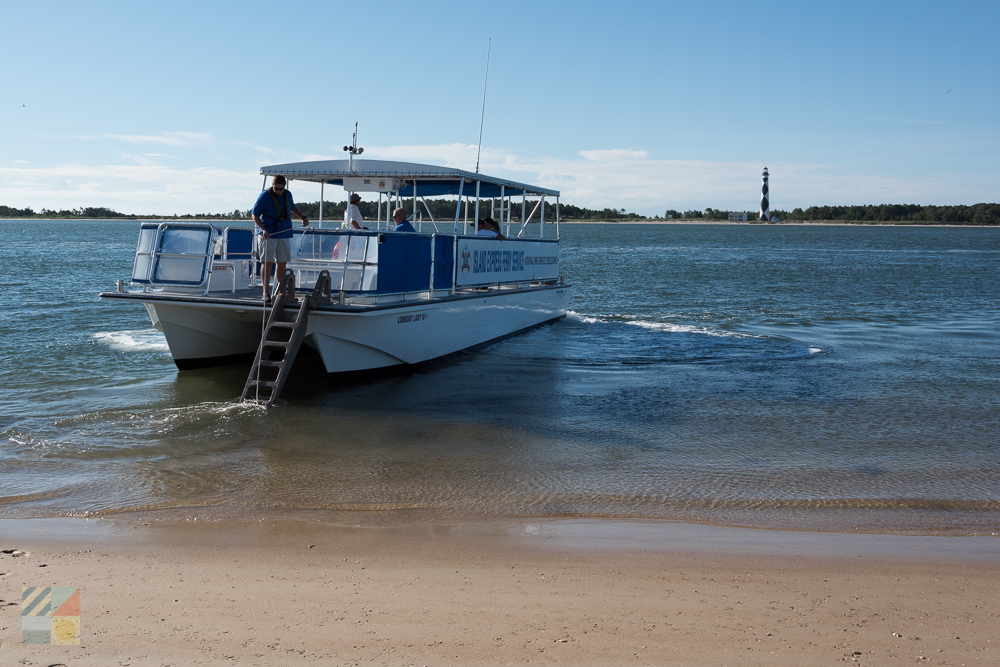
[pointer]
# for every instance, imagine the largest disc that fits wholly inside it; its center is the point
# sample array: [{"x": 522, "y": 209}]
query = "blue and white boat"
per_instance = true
[{"x": 397, "y": 299}]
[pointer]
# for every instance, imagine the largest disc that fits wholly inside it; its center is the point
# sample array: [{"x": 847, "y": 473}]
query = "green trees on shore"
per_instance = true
[
  {"x": 100, "y": 212},
  {"x": 977, "y": 214},
  {"x": 444, "y": 209}
]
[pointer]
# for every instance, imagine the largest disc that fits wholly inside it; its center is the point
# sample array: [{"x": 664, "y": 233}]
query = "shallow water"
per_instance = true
[{"x": 823, "y": 378}]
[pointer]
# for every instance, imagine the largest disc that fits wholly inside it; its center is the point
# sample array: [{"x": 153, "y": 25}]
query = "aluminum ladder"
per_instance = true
[{"x": 282, "y": 339}]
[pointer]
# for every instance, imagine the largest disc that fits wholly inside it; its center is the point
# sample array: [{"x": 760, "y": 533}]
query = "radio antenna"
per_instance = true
[
  {"x": 353, "y": 149},
  {"x": 483, "y": 113}
]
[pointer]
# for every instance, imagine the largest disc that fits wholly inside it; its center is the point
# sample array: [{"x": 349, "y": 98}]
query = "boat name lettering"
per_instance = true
[
  {"x": 495, "y": 261},
  {"x": 415, "y": 317}
]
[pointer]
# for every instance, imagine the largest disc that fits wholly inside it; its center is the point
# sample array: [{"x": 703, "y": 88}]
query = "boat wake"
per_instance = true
[
  {"x": 145, "y": 340},
  {"x": 668, "y": 327},
  {"x": 691, "y": 339}
]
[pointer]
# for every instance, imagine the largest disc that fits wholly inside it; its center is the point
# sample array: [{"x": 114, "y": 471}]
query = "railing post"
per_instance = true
[
  {"x": 420, "y": 223},
  {"x": 433, "y": 248},
  {"x": 454, "y": 264}
]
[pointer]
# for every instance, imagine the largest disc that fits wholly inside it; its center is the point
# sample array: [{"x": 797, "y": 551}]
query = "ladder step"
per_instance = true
[
  {"x": 290, "y": 347},
  {"x": 261, "y": 385}
]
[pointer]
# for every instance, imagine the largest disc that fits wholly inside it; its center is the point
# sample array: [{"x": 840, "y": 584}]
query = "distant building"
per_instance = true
[{"x": 738, "y": 217}]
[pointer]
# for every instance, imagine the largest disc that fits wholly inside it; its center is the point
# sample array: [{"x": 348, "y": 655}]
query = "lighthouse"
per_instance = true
[{"x": 765, "y": 214}]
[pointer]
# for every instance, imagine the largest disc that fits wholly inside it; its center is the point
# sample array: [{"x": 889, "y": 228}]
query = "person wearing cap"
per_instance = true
[
  {"x": 402, "y": 224},
  {"x": 273, "y": 215},
  {"x": 352, "y": 216},
  {"x": 489, "y": 228}
]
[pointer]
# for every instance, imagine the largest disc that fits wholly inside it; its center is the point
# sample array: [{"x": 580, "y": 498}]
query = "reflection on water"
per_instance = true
[{"x": 742, "y": 375}]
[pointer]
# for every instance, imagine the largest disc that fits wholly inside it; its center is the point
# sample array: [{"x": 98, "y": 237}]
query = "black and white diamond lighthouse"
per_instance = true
[{"x": 765, "y": 215}]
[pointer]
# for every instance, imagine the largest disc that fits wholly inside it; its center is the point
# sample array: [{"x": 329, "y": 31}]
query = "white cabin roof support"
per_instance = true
[
  {"x": 541, "y": 220},
  {"x": 478, "y": 183},
  {"x": 458, "y": 206},
  {"x": 524, "y": 224},
  {"x": 557, "y": 218},
  {"x": 500, "y": 225}
]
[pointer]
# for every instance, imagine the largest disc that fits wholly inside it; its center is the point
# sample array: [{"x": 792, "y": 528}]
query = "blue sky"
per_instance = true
[{"x": 173, "y": 107}]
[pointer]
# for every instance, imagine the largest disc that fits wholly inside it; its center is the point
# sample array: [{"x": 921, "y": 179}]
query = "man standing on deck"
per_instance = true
[
  {"x": 352, "y": 216},
  {"x": 272, "y": 213}
]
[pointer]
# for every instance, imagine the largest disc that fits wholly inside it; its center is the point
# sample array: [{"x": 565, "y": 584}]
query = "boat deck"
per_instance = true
[{"x": 250, "y": 297}]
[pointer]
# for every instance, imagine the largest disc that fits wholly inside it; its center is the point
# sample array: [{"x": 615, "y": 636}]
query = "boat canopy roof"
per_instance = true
[{"x": 430, "y": 180}]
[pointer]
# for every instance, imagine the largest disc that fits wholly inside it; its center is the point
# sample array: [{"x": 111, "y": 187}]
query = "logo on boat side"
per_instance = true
[{"x": 465, "y": 260}]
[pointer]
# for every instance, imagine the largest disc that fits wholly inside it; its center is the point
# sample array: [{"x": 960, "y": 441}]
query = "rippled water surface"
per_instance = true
[{"x": 830, "y": 378}]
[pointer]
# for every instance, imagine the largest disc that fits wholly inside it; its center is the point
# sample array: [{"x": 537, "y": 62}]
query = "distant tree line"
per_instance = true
[
  {"x": 444, "y": 209},
  {"x": 98, "y": 212},
  {"x": 707, "y": 214},
  {"x": 977, "y": 214}
]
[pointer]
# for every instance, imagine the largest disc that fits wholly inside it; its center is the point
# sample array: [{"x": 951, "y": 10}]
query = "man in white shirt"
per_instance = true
[{"x": 352, "y": 216}]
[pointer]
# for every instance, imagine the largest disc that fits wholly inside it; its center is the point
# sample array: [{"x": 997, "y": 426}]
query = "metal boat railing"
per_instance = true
[
  {"x": 170, "y": 254},
  {"x": 361, "y": 263}
]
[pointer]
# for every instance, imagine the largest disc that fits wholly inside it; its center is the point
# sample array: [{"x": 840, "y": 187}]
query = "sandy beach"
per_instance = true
[{"x": 547, "y": 592}]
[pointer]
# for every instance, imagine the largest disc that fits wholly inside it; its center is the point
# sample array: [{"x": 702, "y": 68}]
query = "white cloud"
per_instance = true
[
  {"x": 628, "y": 178},
  {"x": 614, "y": 154},
  {"x": 616, "y": 178},
  {"x": 461, "y": 156},
  {"x": 141, "y": 189},
  {"x": 166, "y": 138}
]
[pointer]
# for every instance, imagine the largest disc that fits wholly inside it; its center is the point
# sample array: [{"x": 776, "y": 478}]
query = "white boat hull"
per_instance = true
[{"x": 358, "y": 339}]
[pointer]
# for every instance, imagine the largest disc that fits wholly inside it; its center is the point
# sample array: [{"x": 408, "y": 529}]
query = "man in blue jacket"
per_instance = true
[
  {"x": 402, "y": 224},
  {"x": 272, "y": 213}
]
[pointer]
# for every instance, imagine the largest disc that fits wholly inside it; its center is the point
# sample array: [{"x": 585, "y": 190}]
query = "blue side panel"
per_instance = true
[
  {"x": 444, "y": 261},
  {"x": 404, "y": 263},
  {"x": 239, "y": 243}
]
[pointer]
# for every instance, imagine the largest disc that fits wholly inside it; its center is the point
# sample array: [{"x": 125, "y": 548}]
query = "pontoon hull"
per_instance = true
[{"x": 201, "y": 333}]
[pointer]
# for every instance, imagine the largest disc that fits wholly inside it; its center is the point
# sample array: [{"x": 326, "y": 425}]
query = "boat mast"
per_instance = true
[{"x": 482, "y": 114}]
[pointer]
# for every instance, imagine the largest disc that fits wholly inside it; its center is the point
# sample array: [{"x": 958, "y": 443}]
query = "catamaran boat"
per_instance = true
[{"x": 374, "y": 298}]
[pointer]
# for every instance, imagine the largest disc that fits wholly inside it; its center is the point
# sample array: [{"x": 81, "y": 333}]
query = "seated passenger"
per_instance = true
[
  {"x": 488, "y": 227},
  {"x": 402, "y": 224},
  {"x": 352, "y": 216}
]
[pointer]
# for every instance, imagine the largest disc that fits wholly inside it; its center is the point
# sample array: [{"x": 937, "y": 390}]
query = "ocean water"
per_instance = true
[{"x": 800, "y": 377}]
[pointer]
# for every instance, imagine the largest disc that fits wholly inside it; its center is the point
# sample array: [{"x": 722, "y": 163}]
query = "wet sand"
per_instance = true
[{"x": 567, "y": 592}]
